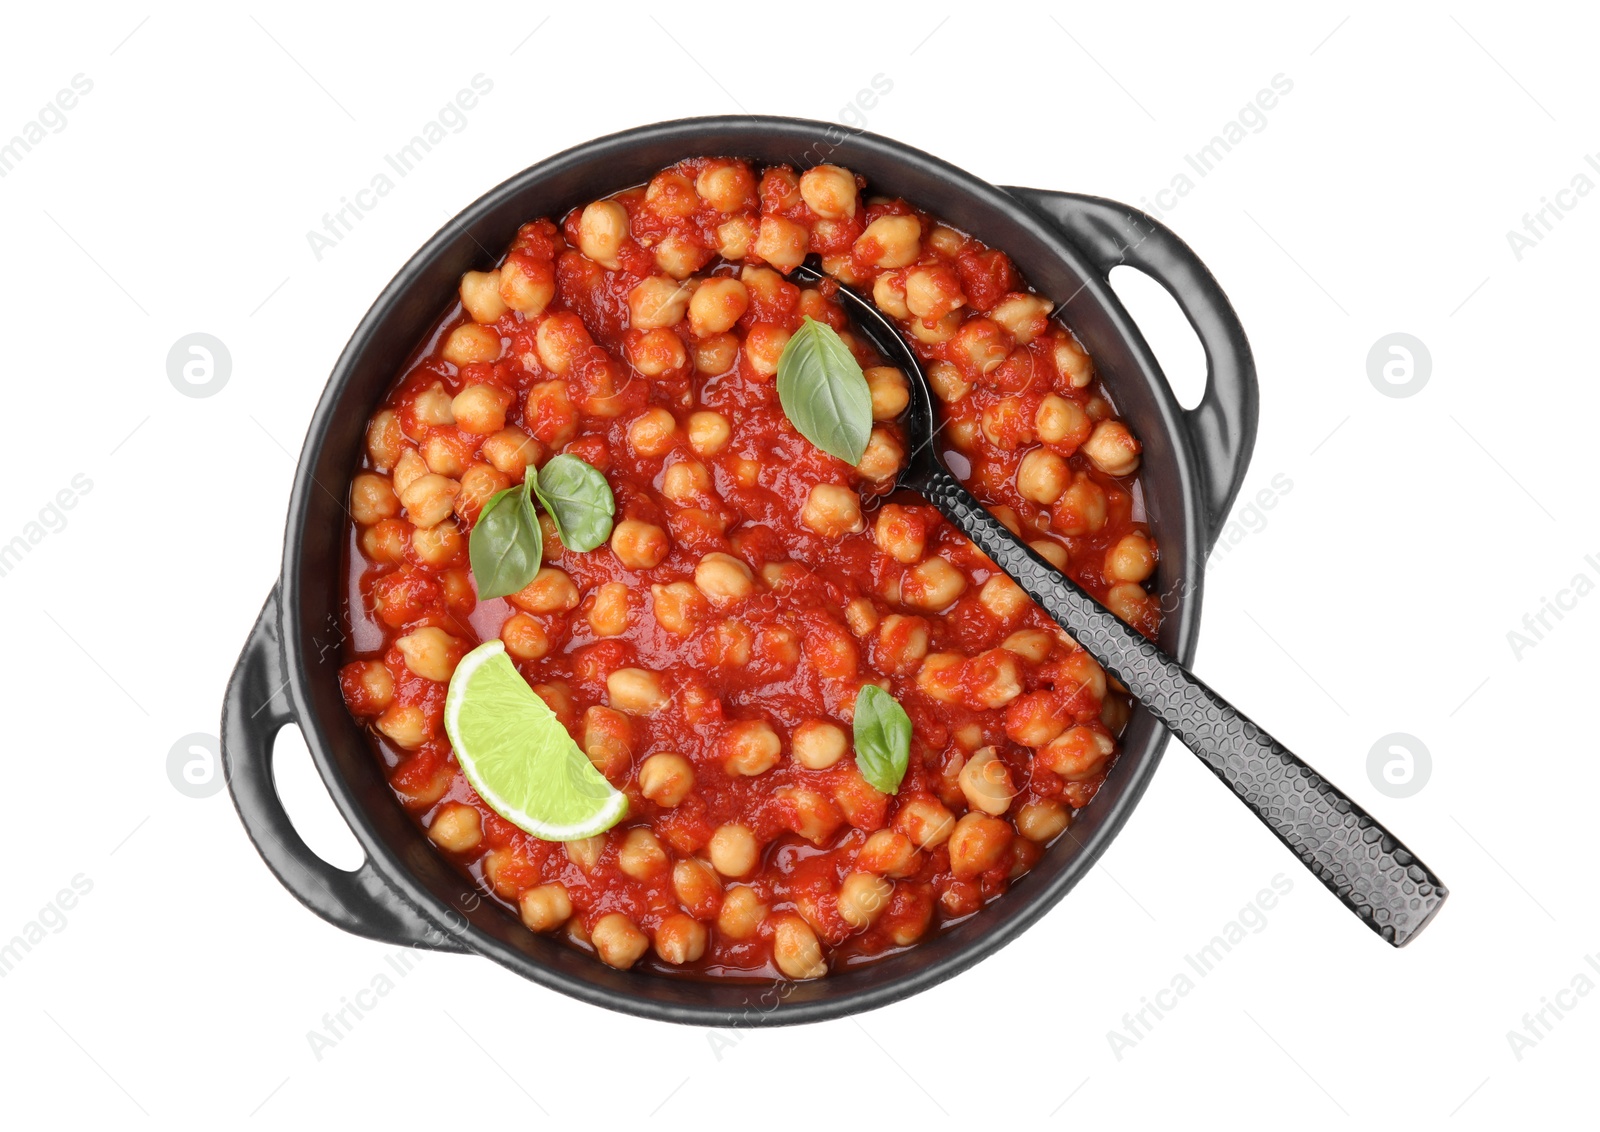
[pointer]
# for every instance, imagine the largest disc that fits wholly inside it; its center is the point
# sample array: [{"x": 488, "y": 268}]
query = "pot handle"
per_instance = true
[
  {"x": 254, "y": 709},
  {"x": 1222, "y": 427}
]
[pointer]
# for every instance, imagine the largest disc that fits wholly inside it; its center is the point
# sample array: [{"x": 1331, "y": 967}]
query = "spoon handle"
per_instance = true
[{"x": 1362, "y": 863}]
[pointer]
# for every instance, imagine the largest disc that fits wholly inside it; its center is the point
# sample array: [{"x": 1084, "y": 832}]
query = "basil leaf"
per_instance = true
[
  {"x": 824, "y": 393},
  {"x": 506, "y": 545},
  {"x": 883, "y": 739},
  {"x": 579, "y": 500}
]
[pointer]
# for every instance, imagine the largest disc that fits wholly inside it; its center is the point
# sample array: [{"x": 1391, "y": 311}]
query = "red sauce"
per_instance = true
[{"x": 984, "y": 675}]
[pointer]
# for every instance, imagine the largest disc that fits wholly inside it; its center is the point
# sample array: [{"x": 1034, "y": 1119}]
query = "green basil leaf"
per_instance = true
[
  {"x": 824, "y": 393},
  {"x": 506, "y": 545},
  {"x": 578, "y": 499},
  {"x": 883, "y": 739}
]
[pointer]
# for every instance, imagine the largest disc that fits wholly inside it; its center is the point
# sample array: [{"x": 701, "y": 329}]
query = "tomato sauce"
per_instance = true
[{"x": 1014, "y": 726}]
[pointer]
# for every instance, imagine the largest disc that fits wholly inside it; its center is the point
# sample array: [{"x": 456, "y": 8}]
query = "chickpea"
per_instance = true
[
  {"x": 636, "y": 690},
  {"x": 796, "y": 949},
  {"x": 881, "y": 461},
  {"x": 741, "y": 913},
  {"x": 377, "y": 687},
  {"x": 1085, "y": 672},
  {"x": 666, "y": 779},
  {"x": 686, "y": 482},
  {"x": 810, "y": 814},
  {"x": 891, "y": 392},
  {"x": 456, "y": 827},
  {"x": 890, "y": 242},
  {"x": 639, "y": 545},
  {"x": 657, "y": 352},
  {"x": 1051, "y": 551},
  {"x": 733, "y": 851},
  {"x": 680, "y": 256},
  {"x": 1003, "y": 598},
  {"x": 1042, "y": 821},
  {"x": 726, "y": 188},
  {"x": 527, "y": 286},
  {"x": 902, "y": 643},
  {"x": 430, "y": 653},
  {"x": 429, "y": 499},
  {"x": 1079, "y": 753},
  {"x": 763, "y": 346},
  {"x": 549, "y": 414},
  {"x": 932, "y": 585},
  {"x": 1042, "y": 476},
  {"x": 995, "y": 679},
  {"x": 478, "y": 484},
  {"x": 1035, "y": 719},
  {"x": 978, "y": 843},
  {"x": 677, "y": 606},
  {"x": 1024, "y": 317},
  {"x": 889, "y": 294},
  {"x": 750, "y": 747},
  {"x": 832, "y": 511},
  {"x": 716, "y": 355},
  {"x": 939, "y": 677},
  {"x": 431, "y": 407},
  {"x": 641, "y": 856},
  {"x": 735, "y": 237},
  {"x": 1030, "y": 644},
  {"x": 1063, "y": 422},
  {"x": 652, "y": 432},
  {"x": 480, "y": 295},
  {"x": 1113, "y": 449},
  {"x": 551, "y": 591},
  {"x": 680, "y": 939},
  {"x": 862, "y": 616},
  {"x": 717, "y": 306},
  {"x": 471, "y": 343},
  {"x": 899, "y": 534},
  {"x": 1128, "y": 600},
  {"x": 511, "y": 451},
  {"x": 985, "y": 781},
  {"x": 586, "y": 852},
  {"x": 404, "y": 725},
  {"x": 927, "y": 823},
  {"x": 1132, "y": 558},
  {"x": 658, "y": 302},
  {"x": 602, "y": 228},
  {"x": 443, "y": 455},
  {"x": 618, "y": 942},
  {"x": 1072, "y": 362},
  {"x": 697, "y": 888},
  {"x": 480, "y": 409},
  {"x": 524, "y": 637},
  {"x": 889, "y": 853},
  {"x": 862, "y": 898},
  {"x": 1082, "y": 508},
  {"x": 545, "y": 907},
  {"x": 608, "y": 740},
  {"x": 933, "y": 292},
  {"x": 818, "y": 744},
  {"x": 943, "y": 331},
  {"x": 947, "y": 382},
  {"x": 829, "y": 191},
  {"x": 372, "y": 498},
  {"x": 722, "y": 577},
  {"x": 608, "y": 615},
  {"x": 709, "y": 432},
  {"x": 386, "y": 440},
  {"x": 782, "y": 243}
]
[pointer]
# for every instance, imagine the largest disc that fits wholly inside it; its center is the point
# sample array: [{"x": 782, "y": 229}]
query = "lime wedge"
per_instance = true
[{"x": 518, "y": 756}]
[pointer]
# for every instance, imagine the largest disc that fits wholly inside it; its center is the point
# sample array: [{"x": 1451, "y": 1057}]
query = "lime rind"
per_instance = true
[{"x": 519, "y": 757}]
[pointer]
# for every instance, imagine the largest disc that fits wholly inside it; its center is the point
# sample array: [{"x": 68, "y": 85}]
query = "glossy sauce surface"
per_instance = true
[{"x": 756, "y": 582}]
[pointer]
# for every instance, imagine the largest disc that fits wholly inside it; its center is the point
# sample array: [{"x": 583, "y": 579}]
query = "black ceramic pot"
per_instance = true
[{"x": 406, "y": 893}]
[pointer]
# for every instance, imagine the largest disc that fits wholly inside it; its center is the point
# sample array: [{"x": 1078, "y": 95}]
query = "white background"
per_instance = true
[{"x": 1376, "y": 598}]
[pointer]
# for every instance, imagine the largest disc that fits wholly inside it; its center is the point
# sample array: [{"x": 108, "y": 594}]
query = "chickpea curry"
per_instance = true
[{"x": 709, "y": 655}]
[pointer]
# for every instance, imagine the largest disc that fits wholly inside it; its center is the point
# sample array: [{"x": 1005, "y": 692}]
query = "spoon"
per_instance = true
[{"x": 1360, "y": 861}]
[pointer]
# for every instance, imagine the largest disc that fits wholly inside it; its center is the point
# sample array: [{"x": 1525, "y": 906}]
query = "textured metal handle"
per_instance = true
[{"x": 1362, "y": 863}]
